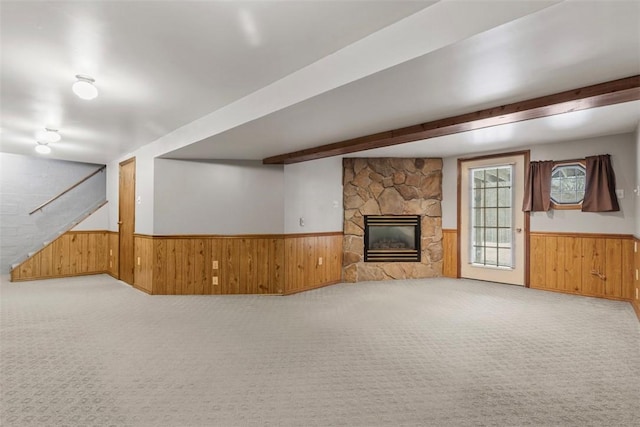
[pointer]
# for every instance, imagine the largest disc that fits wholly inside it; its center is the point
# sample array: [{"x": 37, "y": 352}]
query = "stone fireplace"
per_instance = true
[{"x": 388, "y": 196}]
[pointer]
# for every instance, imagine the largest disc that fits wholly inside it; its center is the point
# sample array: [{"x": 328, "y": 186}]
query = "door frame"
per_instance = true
[
  {"x": 121, "y": 164},
  {"x": 527, "y": 216}
]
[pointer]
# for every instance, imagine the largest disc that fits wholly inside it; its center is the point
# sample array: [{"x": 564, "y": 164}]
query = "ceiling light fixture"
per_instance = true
[
  {"x": 49, "y": 135},
  {"x": 43, "y": 147},
  {"x": 84, "y": 87}
]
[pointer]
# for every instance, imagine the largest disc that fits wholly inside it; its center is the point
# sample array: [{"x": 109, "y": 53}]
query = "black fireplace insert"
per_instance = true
[{"x": 392, "y": 238}]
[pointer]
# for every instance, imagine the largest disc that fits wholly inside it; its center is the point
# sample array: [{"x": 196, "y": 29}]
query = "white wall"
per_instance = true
[
  {"x": 99, "y": 220},
  {"x": 623, "y": 158},
  {"x": 313, "y": 191},
  {"x": 218, "y": 197}
]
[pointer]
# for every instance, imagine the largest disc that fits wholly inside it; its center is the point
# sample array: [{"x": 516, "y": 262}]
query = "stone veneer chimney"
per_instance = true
[{"x": 392, "y": 186}]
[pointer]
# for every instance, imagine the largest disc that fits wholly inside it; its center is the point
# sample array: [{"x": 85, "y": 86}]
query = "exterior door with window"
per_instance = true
[{"x": 493, "y": 227}]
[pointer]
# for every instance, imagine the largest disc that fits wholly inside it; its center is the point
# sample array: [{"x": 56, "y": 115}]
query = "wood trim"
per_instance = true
[
  {"x": 598, "y": 95},
  {"x": 124, "y": 162},
  {"x": 527, "y": 217},
  {"x": 582, "y": 235},
  {"x": 237, "y": 236},
  {"x": 309, "y": 288},
  {"x": 61, "y": 276},
  {"x": 561, "y": 291}
]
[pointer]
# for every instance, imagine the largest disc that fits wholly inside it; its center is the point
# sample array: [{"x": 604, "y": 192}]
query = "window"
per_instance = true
[
  {"x": 491, "y": 228},
  {"x": 567, "y": 185}
]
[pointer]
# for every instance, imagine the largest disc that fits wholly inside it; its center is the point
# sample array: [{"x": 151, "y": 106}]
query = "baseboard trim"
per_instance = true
[
  {"x": 61, "y": 276},
  {"x": 141, "y": 289},
  {"x": 321, "y": 285},
  {"x": 561, "y": 291},
  {"x": 636, "y": 308}
]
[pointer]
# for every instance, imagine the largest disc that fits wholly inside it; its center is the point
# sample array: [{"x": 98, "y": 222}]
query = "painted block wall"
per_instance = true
[
  {"x": 25, "y": 183},
  {"x": 313, "y": 192},
  {"x": 217, "y": 197},
  {"x": 622, "y": 150}
]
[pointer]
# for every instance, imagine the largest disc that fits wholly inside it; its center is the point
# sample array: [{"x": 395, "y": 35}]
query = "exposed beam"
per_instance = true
[{"x": 599, "y": 95}]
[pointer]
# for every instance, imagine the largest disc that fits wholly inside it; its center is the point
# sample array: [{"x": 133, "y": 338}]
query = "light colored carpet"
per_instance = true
[{"x": 441, "y": 352}]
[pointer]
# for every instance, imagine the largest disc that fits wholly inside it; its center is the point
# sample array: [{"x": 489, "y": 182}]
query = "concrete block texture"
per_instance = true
[{"x": 25, "y": 183}]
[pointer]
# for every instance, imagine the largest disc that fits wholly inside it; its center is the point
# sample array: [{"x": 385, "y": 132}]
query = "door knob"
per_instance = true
[
  {"x": 518, "y": 230},
  {"x": 119, "y": 222}
]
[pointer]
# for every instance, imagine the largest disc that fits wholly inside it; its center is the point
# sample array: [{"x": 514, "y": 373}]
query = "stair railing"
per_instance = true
[{"x": 53, "y": 199}]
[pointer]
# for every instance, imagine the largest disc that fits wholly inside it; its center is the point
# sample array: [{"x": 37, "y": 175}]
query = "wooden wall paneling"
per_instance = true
[
  {"x": 179, "y": 267},
  {"x": 573, "y": 264},
  {"x": 143, "y": 263},
  {"x": 538, "y": 260},
  {"x": 262, "y": 267},
  {"x": 92, "y": 251},
  {"x": 46, "y": 261},
  {"x": 635, "y": 302},
  {"x": 101, "y": 251},
  {"x": 114, "y": 246},
  {"x": 300, "y": 274},
  {"x": 336, "y": 257},
  {"x": 230, "y": 267},
  {"x": 276, "y": 266},
  {"x": 199, "y": 266},
  {"x": 247, "y": 274},
  {"x": 613, "y": 268},
  {"x": 593, "y": 268},
  {"x": 450, "y": 253},
  {"x": 627, "y": 269},
  {"x": 216, "y": 250},
  {"x": 61, "y": 255},
  {"x": 170, "y": 267},
  {"x": 188, "y": 259},
  {"x": 310, "y": 262},
  {"x": 159, "y": 257},
  {"x": 551, "y": 263}
]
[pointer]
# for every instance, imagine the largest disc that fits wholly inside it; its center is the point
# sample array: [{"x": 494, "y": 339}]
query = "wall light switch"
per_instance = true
[
  {"x": 214, "y": 280},
  {"x": 620, "y": 193},
  {"x": 139, "y": 200},
  {"x": 138, "y": 260},
  {"x": 110, "y": 252},
  {"x": 214, "y": 265},
  {"x": 320, "y": 261},
  {"x": 301, "y": 222}
]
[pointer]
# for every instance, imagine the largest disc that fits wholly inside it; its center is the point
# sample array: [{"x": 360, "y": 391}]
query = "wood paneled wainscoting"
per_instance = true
[
  {"x": 230, "y": 265},
  {"x": 450, "y": 252},
  {"x": 74, "y": 253},
  {"x": 635, "y": 297},
  {"x": 599, "y": 265}
]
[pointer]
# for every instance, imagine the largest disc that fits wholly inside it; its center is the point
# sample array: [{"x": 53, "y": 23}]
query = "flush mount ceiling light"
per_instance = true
[
  {"x": 84, "y": 87},
  {"x": 43, "y": 147},
  {"x": 49, "y": 135}
]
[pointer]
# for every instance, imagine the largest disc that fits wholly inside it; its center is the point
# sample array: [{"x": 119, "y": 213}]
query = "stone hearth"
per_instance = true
[{"x": 392, "y": 186}]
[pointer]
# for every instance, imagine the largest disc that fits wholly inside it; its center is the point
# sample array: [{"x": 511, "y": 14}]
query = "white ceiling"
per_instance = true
[
  {"x": 163, "y": 65},
  {"x": 159, "y": 64}
]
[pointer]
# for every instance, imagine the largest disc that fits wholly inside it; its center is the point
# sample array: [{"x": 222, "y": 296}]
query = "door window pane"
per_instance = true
[{"x": 491, "y": 213}]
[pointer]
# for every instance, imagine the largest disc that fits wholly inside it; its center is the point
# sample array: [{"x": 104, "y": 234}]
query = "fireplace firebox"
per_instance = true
[{"x": 392, "y": 238}]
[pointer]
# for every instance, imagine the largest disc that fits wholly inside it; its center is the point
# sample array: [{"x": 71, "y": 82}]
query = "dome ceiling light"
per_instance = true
[
  {"x": 84, "y": 87},
  {"x": 43, "y": 147},
  {"x": 49, "y": 135}
]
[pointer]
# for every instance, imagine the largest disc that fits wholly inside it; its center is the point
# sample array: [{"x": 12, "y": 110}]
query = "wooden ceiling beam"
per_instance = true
[{"x": 599, "y": 95}]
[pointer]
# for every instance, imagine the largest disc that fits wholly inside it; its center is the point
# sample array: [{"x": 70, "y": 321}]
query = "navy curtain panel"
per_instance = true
[
  {"x": 600, "y": 189},
  {"x": 537, "y": 187}
]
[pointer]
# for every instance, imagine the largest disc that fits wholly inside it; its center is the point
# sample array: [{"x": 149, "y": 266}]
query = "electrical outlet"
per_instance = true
[
  {"x": 138, "y": 260},
  {"x": 635, "y": 246},
  {"x": 320, "y": 261},
  {"x": 214, "y": 281},
  {"x": 214, "y": 265},
  {"x": 620, "y": 193},
  {"x": 636, "y": 274},
  {"x": 636, "y": 293},
  {"x": 110, "y": 252}
]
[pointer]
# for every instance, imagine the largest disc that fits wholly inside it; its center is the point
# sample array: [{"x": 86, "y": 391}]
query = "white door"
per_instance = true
[{"x": 492, "y": 224}]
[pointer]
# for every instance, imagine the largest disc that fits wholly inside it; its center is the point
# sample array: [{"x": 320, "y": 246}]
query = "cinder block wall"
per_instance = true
[{"x": 25, "y": 183}]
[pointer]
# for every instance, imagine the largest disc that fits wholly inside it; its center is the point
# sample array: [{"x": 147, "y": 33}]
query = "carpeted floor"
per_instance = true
[{"x": 440, "y": 352}]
